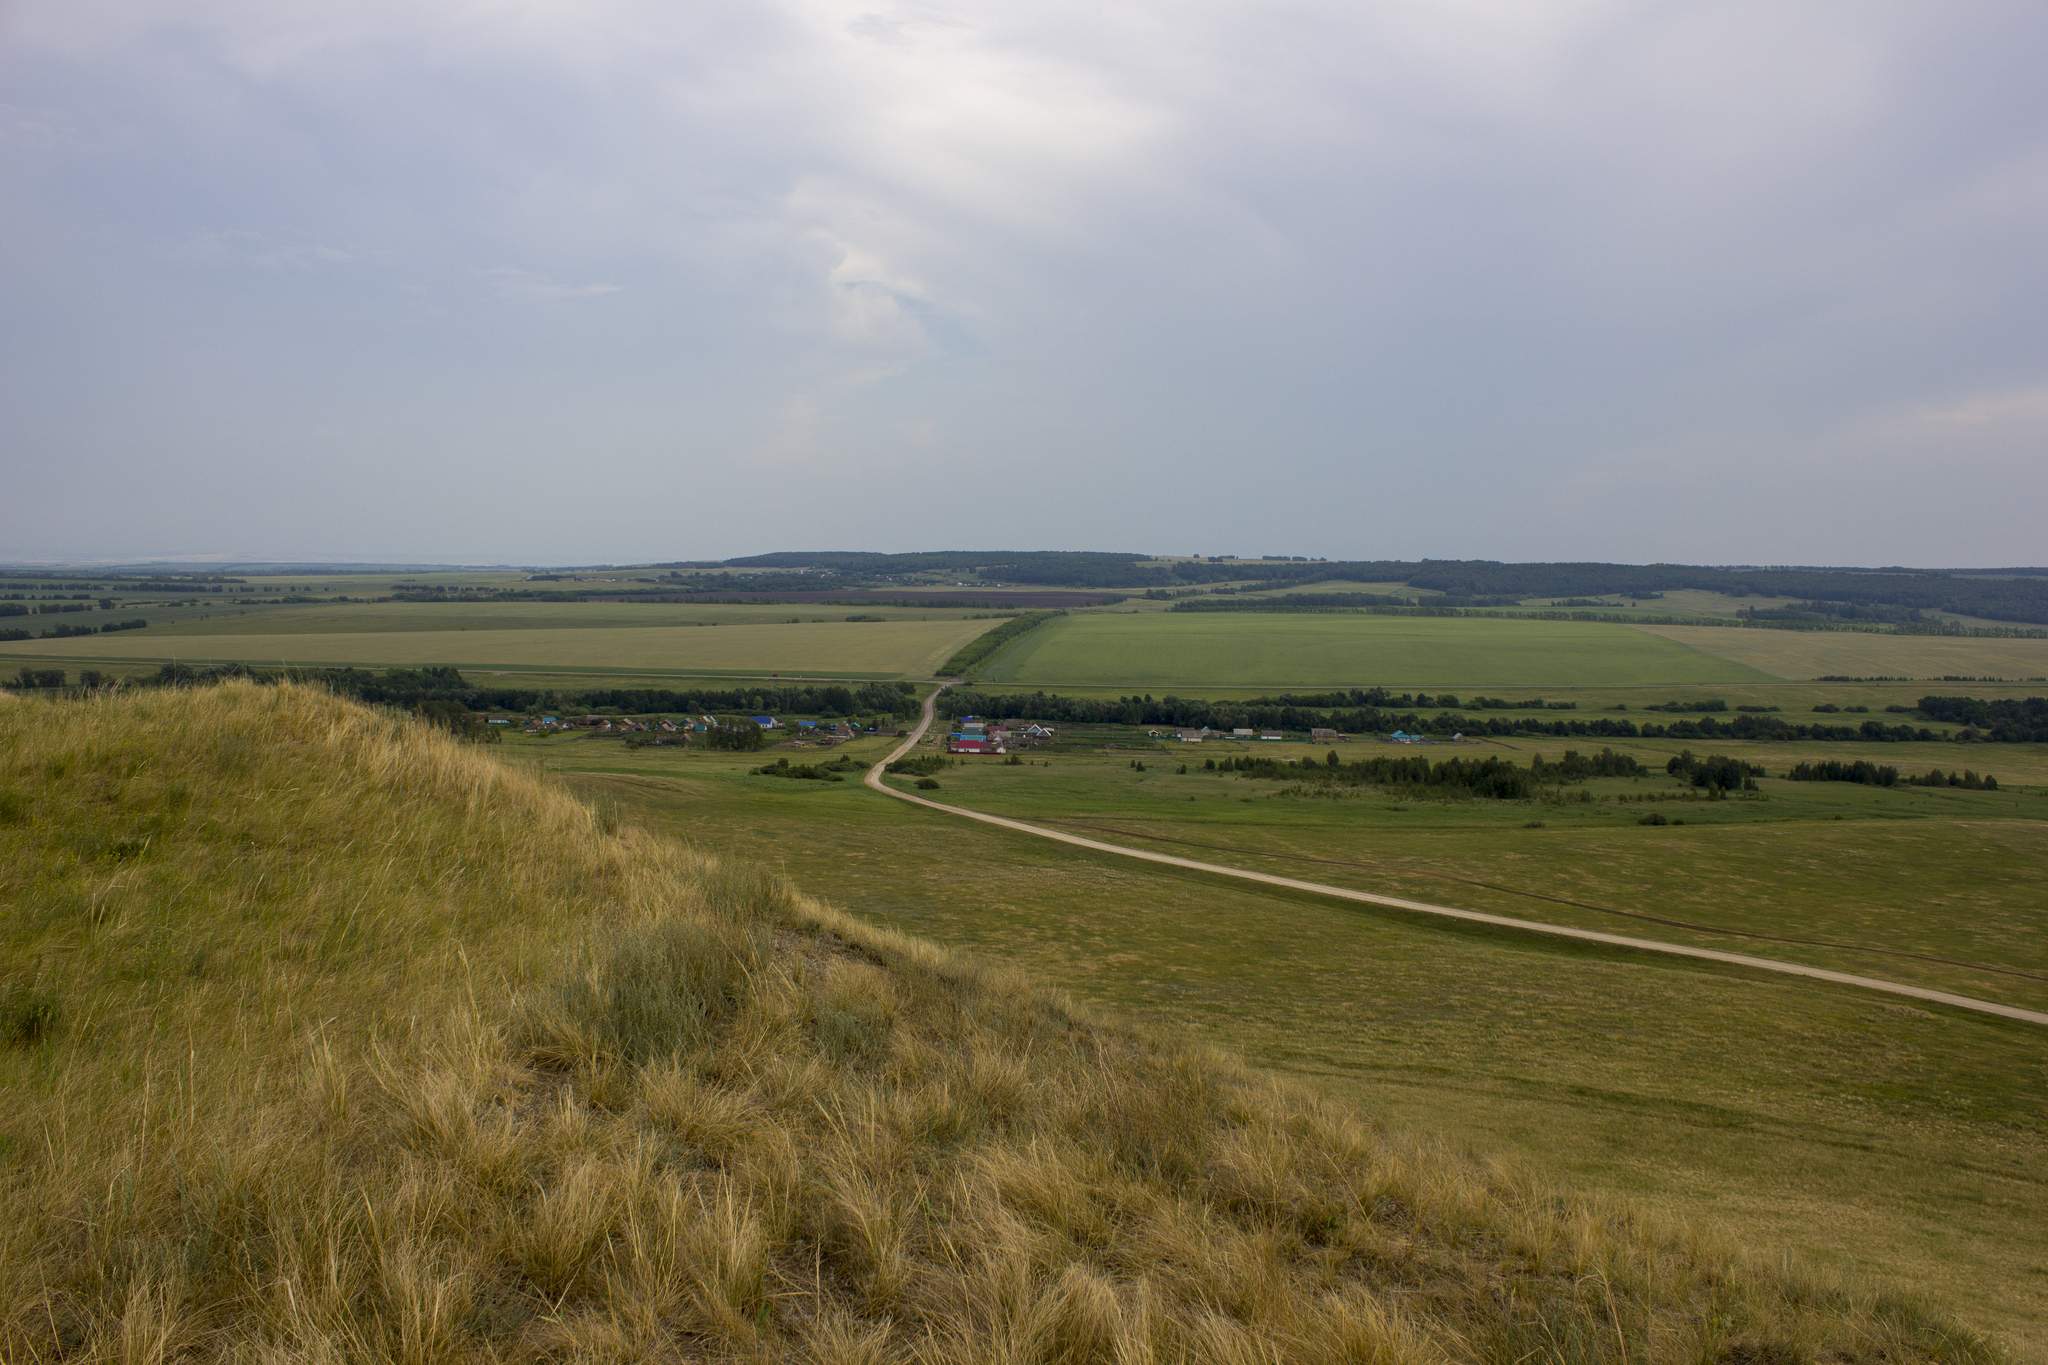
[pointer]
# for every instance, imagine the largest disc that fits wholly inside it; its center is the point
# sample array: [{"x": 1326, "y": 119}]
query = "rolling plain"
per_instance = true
[
  {"x": 1903, "y": 1144},
  {"x": 328, "y": 1037},
  {"x": 1867, "y": 1134},
  {"x": 828, "y": 648}
]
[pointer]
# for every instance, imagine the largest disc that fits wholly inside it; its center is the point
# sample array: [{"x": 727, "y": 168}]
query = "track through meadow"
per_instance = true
[{"x": 874, "y": 780}]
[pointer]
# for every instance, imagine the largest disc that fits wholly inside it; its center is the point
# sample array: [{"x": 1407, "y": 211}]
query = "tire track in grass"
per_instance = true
[
  {"x": 874, "y": 780},
  {"x": 1394, "y": 870}
]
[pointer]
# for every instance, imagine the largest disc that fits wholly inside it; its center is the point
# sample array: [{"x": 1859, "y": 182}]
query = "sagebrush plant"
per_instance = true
[{"x": 330, "y": 1039}]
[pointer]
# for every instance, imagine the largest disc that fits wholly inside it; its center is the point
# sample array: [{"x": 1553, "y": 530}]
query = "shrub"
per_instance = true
[
  {"x": 802, "y": 772},
  {"x": 927, "y": 784}
]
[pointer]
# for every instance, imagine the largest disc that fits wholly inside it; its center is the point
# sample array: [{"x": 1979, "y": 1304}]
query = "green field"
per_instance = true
[
  {"x": 1894, "y": 1139},
  {"x": 384, "y": 617},
  {"x": 836, "y": 648},
  {"x": 1859, "y": 654},
  {"x": 1168, "y": 650}
]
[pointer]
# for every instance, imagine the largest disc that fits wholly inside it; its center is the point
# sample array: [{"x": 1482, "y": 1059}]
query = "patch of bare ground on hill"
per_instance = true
[{"x": 329, "y": 1040}]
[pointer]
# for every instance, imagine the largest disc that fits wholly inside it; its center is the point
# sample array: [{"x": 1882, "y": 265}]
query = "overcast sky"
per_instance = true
[{"x": 548, "y": 282}]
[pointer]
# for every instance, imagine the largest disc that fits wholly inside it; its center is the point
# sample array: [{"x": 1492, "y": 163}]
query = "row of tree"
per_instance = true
[
  {"x": 1339, "y": 711},
  {"x": 1959, "y": 778},
  {"x": 1885, "y": 775},
  {"x": 1834, "y": 770},
  {"x": 984, "y": 646},
  {"x": 2008, "y": 720},
  {"x": 1491, "y": 777},
  {"x": 413, "y": 688}
]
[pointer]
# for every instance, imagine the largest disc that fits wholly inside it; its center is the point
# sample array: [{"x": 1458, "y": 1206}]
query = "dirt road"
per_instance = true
[{"x": 1644, "y": 945}]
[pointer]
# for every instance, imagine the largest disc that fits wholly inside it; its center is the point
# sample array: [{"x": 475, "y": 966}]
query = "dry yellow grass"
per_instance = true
[{"x": 328, "y": 1040}]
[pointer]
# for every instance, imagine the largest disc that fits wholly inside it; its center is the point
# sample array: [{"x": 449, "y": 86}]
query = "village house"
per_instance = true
[
  {"x": 973, "y": 737},
  {"x": 1321, "y": 735}
]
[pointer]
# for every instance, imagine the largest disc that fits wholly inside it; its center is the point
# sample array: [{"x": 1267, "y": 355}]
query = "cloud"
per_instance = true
[
  {"x": 1301, "y": 255},
  {"x": 527, "y": 285}
]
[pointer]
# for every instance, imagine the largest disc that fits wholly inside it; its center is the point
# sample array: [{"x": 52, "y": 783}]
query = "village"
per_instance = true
[
  {"x": 970, "y": 735},
  {"x": 802, "y": 734}
]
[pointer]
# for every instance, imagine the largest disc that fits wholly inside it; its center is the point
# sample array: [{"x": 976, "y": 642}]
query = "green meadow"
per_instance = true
[
  {"x": 1309, "y": 650},
  {"x": 834, "y": 647},
  {"x": 1876, "y": 1135},
  {"x": 316, "y": 618},
  {"x": 1862, "y": 654}
]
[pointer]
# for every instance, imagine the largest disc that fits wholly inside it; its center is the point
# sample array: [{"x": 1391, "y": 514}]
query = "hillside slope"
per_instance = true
[{"x": 325, "y": 1038}]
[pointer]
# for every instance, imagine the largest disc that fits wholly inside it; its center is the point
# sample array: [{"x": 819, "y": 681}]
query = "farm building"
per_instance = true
[
  {"x": 975, "y": 737},
  {"x": 1320, "y": 735}
]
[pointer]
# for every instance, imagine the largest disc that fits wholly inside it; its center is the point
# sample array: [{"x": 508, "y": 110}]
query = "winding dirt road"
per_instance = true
[{"x": 1644, "y": 945}]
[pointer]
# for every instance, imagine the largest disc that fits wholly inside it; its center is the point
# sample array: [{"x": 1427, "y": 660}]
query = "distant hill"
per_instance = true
[
  {"x": 327, "y": 1038},
  {"x": 2016, "y": 594},
  {"x": 1819, "y": 594}
]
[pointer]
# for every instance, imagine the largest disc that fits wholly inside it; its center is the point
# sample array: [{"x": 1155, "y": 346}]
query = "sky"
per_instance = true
[{"x": 531, "y": 281}]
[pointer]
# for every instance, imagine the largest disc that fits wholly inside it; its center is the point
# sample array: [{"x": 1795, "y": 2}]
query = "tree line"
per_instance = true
[
  {"x": 1829, "y": 596},
  {"x": 413, "y": 688},
  {"x": 1826, "y": 595},
  {"x": 1292, "y": 601},
  {"x": 1369, "y": 712},
  {"x": 2008, "y": 720},
  {"x": 984, "y": 646},
  {"x": 1491, "y": 777}
]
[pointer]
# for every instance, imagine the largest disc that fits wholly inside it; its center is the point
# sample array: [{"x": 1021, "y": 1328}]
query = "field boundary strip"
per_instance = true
[{"x": 1647, "y": 945}]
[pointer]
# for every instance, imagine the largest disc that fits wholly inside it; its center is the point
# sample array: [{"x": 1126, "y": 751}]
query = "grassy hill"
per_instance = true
[{"x": 323, "y": 1038}]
